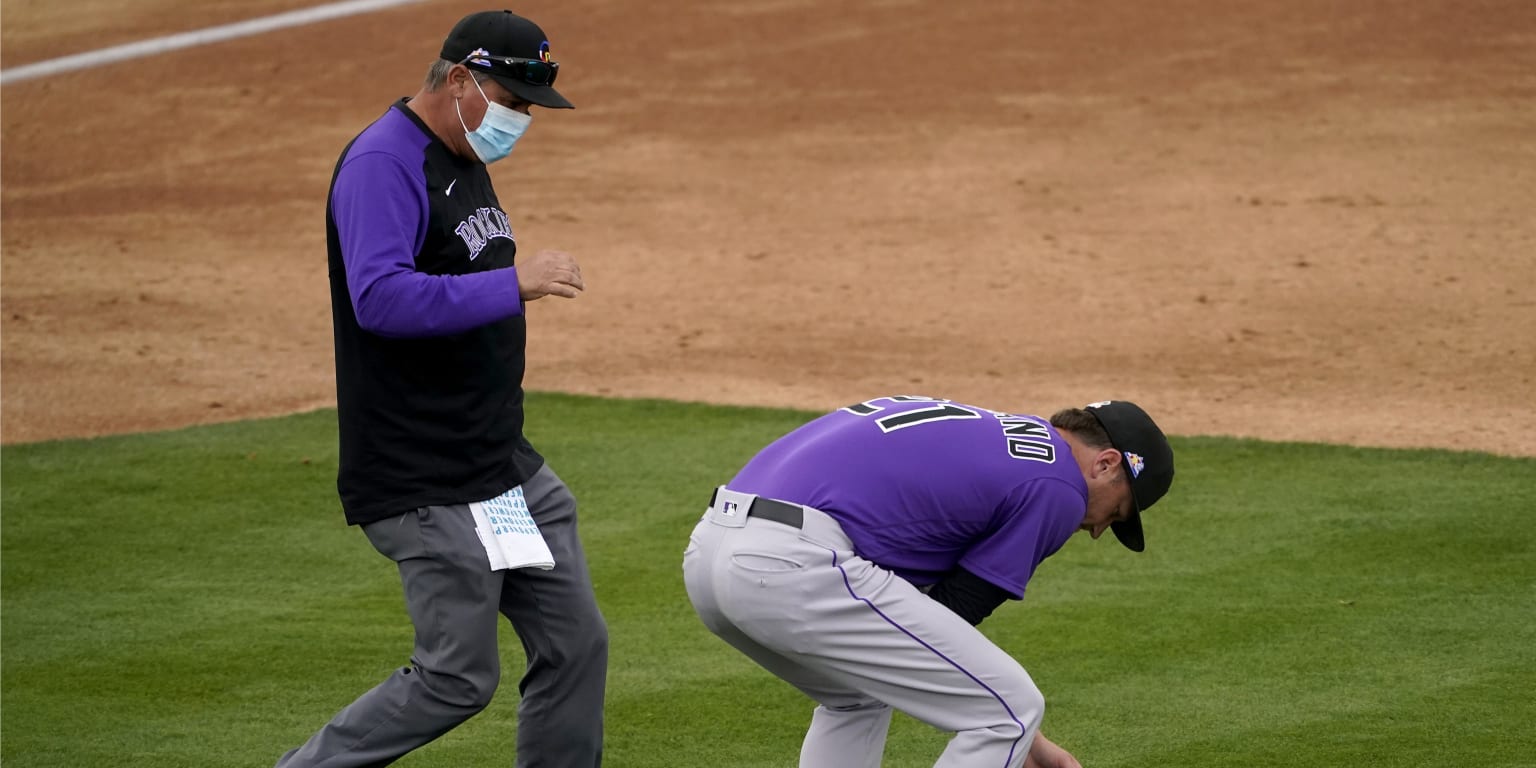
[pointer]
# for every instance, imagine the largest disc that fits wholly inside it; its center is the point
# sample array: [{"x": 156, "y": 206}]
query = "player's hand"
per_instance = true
[
  {"x": 549, "y": 273},
  {"x": 1044, "y": 754}
]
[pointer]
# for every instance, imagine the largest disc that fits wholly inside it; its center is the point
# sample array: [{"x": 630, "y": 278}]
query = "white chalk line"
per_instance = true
[{"x": 194, "y": 38}]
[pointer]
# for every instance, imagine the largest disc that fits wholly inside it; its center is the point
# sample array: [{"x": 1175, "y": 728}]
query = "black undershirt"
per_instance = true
[{"x": 971, "y": 597}]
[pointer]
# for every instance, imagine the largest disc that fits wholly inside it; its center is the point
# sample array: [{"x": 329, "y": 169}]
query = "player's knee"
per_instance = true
[
  {"x": 591, "y": 643},
  {"x": 577, "y": 660},
  {"x": 464, "y": 691},
  {"x": 473, "y": 695},
  {"x": 1031, "y": 708},
  {"x": 1027, "y": 706},
  {"x": 477, "y": 698},
  {"x": 1023, "y": 707}
]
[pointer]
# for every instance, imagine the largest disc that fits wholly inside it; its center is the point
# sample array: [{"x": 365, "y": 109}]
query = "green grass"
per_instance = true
[{"x": 193, "y": 598}]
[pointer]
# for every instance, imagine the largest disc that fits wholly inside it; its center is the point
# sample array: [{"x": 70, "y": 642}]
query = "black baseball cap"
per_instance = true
[
  {"x": 512, "y": 50},
  {"x": 1147, "y": 457}
]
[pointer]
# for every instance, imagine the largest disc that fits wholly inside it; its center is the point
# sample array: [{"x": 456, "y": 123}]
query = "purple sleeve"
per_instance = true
[
  {"x": 380, "y": 210},
  {"x": 1045, "y": 513}
]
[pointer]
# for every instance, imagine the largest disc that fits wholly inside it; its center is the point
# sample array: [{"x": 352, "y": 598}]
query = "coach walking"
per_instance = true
[{"x": 429, "y": 315}]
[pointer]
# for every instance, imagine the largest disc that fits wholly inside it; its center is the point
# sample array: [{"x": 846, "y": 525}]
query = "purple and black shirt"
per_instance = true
[{"x": 429, "y": 326}]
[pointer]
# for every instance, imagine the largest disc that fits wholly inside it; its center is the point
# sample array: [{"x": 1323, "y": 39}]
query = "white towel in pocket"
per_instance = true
[{"x": 511, "y": 538}]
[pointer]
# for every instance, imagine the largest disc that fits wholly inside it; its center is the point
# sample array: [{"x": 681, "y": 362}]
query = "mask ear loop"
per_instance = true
[
  {"x": 476, "y": 81},
  {"x": 460, "y": 113}
]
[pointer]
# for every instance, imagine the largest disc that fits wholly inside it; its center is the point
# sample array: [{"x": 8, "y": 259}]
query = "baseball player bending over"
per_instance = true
[{"x": 854, "y": 557}]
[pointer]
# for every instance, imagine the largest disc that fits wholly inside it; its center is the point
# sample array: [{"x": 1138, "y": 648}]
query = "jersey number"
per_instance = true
[
  {"x": 942, "y": 410},
  {"x": 1026, "y": 438}
]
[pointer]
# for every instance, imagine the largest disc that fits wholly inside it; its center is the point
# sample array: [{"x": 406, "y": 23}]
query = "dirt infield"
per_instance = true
[{"x": 1292, "y": 219}]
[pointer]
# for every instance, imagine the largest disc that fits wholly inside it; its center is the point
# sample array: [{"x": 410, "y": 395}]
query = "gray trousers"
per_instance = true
[
  {"x": 453, "y": 598},
  {"x": 857, "y": 639}
]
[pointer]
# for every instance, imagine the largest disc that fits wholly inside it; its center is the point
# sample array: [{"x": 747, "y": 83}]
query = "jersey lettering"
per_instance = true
[
  {"x": 1028, "y": 439},
  {"x": 481, "y": 227}
]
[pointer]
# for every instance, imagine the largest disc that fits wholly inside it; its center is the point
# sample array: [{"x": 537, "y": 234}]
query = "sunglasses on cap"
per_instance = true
[{"x": 530, "y": 71}]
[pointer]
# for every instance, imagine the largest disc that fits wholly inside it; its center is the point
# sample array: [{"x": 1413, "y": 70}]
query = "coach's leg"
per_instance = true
[
  {"x": 555, "y": 613},
  {"x": 450, "y": 594}
]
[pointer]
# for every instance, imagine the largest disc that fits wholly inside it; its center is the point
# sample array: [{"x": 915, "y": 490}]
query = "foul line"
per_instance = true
[{"x": 190, "y": 39}]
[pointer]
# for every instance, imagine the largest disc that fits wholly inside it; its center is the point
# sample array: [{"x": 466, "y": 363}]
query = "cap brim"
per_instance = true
[
  {"x": 1128, "y": 531},
  {"x": 541, "y": 95}
]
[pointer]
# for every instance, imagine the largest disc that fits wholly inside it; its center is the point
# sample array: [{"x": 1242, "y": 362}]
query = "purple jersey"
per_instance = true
[
  {"x": 923, "y": 485},
  {"x": 426, "y": 248}
]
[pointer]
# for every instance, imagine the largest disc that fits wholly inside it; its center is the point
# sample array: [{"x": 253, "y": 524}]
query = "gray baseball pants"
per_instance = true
[
  {"x": 453, "y": 599},
  {"x": 857, "y": 639}
]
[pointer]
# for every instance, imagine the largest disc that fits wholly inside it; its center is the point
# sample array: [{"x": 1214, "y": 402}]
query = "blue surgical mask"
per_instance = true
[{"x": 498, "y": 131}]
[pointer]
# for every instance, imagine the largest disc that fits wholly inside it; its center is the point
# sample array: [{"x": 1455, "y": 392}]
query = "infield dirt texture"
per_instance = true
[{"x": 1290, "y": 219}]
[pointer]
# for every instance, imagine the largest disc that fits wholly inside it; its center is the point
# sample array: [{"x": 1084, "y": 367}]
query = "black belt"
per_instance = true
[{"x": 792, "y": 515}]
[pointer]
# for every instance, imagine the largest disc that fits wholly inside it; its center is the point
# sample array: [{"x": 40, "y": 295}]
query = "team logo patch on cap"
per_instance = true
[
  {"x": 1136, "y": 463},
  {"x": 544, "y": 51},
  {"x": 477, "y": 57}
]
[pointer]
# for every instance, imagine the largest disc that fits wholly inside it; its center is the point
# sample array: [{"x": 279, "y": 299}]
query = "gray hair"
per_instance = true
[{"x": 437, "y": 75}]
